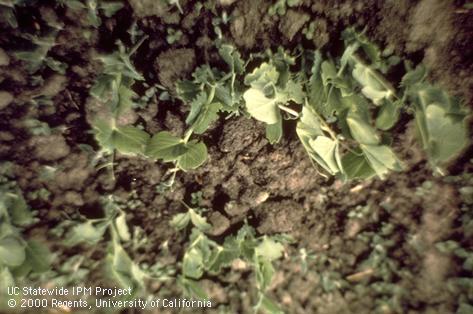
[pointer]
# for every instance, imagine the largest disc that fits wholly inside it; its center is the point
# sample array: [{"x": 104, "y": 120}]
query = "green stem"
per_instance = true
[
  {"x": 135, "y": 48},
  {"x": 289, "y": 110}
]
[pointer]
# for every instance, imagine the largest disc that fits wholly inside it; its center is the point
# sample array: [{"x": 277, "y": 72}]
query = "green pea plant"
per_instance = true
[
  {"x": 19, "y": 257},
  {"x": 118, "y": 264},
  {"x": 206, "y": 256},
  {"x": 347, "y": 108}
]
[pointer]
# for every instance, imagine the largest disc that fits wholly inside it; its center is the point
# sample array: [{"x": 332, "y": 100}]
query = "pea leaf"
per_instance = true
[
  {"x": 38, "y": 257},
  {"x": 128, "y": 139},
  {"x": 446, "y": 136},
  {"x": 355, "y": 166},
  {"x": 381, "y": 158},
  {"x": 266, "y": 74},
  {"x": 12, "y": 251},
  {"x": 168, "y": 147},
  {"x": 208, "y": 115},
  {"x": 269, "y": 249},
  {"x": 374, "y": 86},
  {"x": 188, "y": 91},
  {"x": 123, "y": 269},
  {"x": 192, "y": 288},
  {"x": 263, "y": 108},
  {"x": 197, "y": 106},
  {"x": 180, "y": 221},
  {"x": 413, "y": 77},
  {"x": 232, "y": 57},
  {"x": 165, "y": 146},
  {"x": 199, "y": 221},
  {"x": 18, "y": 209},
  {"x": 269, "y": 306},
  {"x": 440, "y": 122},
  {"x": 194, "y": 156},
  {"x": 274, "y": 132},
  {"x": 193, "y": 263},
  {"x": 264, "y": 273},
  {"x": 327, "y": 152},
  {"x": 85, "y": 232},
  {"x": 361, "y": 129},
  {"x": 223, "y": 257},
  {"x": 122, "y": 227},
  {"x": 388, "y": 114}
]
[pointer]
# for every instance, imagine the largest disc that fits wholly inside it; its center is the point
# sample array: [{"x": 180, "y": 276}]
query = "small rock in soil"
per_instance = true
[
  {"x": 219, "y": 223},
  {"x": 73, "y": 198},
  {"x": 50, "y": 148},
  {"x": 4, "y": 58},
  {"x": 53, "y": 86},
  {"x": 292, "y": 23},
  {"x": 234, "y": 209},
  {"x": 5, "y": 99}
]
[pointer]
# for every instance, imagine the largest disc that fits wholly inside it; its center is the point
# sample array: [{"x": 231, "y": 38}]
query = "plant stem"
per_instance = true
[{"x": 289, "y": 110}]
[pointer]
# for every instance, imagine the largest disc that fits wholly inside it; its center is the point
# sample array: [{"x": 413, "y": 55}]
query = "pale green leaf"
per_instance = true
[
  {"x": 122, "y": 227},
  {"x": 382, "y": 159},
  {"x": 223, "y": 257},
  {"x": 111, "y": 7},
  {"x": 123, "y": 269},
  {"x": 180, "y": 221},
  {"x": 261, "y": 107},
  {"x": 199, "y": 221},
  {"x": 193, "y": 288},
  {"x": 361, "y": 129},
  {"x": 269, "y": 249},
  {"x": 197, "y": 104},
  {"x": 274, "y": 132},
  {"x": 165, "y": 146},
  {"x": 207, "y": 115},
  {"x": 193, "y": 263},
  {"x": 293, "y": 91},
  {"x": 38, "y": 256},
  {"x": 232, "y": 57},
  {"x": 264, "y": 273},
  {"x": 414, "y": 76},
  {"x": 446, "y": 136},
  {"x": 12, "y": 251},
  {"x": 269, "y": 306},
  {"x": 188, "y": 90},
  {"x": 194, "y": 156},
  {"x": 388, "y": 114},
  {"x": 356, "y": 166},
  {"x": 262, "y": 76},
  {"x": 327, "y": 150},
  {"x": 85, "y": 233},
  {"x": 374, "y": 86},
  {"x": 128, "y": 139},
  {"x": 18, "y": 210}
]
